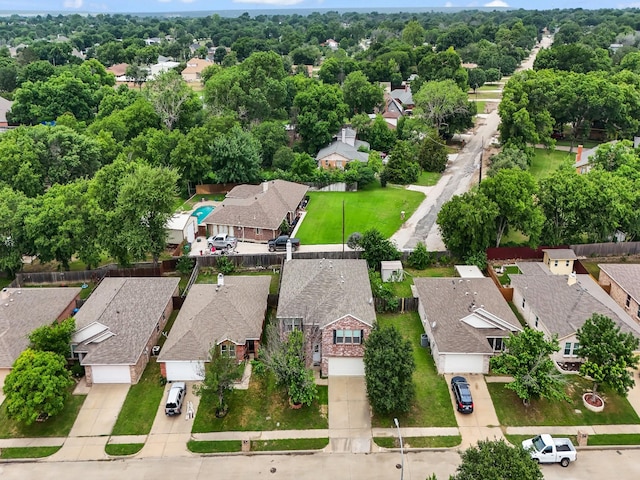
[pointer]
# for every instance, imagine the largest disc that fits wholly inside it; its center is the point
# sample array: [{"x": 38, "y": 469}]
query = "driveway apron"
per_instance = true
[{"x": 349, "y": 415}]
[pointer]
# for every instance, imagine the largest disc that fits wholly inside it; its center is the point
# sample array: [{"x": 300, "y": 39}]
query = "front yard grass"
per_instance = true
[
  {"x": 428, "y": 179},
  {"x": 432, "y": 404},
  {"x": 262, "y": 407},
  {"x": 58, "y": 426},
  {"x": 27, "y": 452},
  {"x": 373, "y": 208},
  {"x": 445, "y": 441},
  {"x": 512, "y": 413},
  {"x": 289, "y": 444},
  {"x": 545, "y": 162},
  {"x": 140, "y": 407},
  {"x": 122, "y": 449},
  {"x": 214, "y": 446}
]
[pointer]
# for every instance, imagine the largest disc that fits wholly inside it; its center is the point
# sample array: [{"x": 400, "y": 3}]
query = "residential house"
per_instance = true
[
  {"x": 404, "y": 96},
  {"x": 161, "y": 67},
  {"x": 331, "y": 302},
  {"x": 119, "y": 70},
  {"x": 583, "y": 159},
  {"x": 228, "y": 316},
  {"x": 5, "y": 107},
  {"x": 22, "y": 310},
  {"x": 119, "y": 324},
  {"x": 254, "y": 213},
  {"x": 560, "y": 304},
  {"x": 343, "y": 150},
  {"x": 465, "y": 320},
  {"x": 623, "y": 282},
  {"x": 332, "y": 44},
  {"x": 391, "y": 111},
  {"x": 193, "y": 71},
  {"x": 559, "y": 260},
  {"x": 180, "y": 227}
]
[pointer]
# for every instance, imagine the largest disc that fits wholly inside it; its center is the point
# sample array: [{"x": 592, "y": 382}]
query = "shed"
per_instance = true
[
  {"x": 391, "y": 271},
  {"x": 469, "y": 271},
  {"x": 181, "y": 227}
]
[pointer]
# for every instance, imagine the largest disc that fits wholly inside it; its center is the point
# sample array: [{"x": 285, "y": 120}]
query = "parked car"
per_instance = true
[
  {"x": 462, "y": 394},
  {"x": 177, "y": 392},
  {"x": 546, "y": 449},
  {"x": 280, "y": 243},
  {"x": 222, "y": 241}
]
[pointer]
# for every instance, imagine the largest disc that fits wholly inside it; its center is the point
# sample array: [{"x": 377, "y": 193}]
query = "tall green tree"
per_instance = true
[
  {"x": 402, "y": 166},
  {"x": 220, "y": 373},
  {"x": 377, "y": 248},
  {"x": 14, "y": 206},
  {"x": 169, "y": 94},
  {"x": 389, "y": 367},
  {"x": 54, "y": 338},
  {"x": 359, "y": 94},
  {"x": 444, "y": 106},
  {"x": 236, "y": 157}
]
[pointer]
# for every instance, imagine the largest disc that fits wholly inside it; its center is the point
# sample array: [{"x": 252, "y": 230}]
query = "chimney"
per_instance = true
[
  {"x": 220, "y": 280},
  {"x": 289, "y": 249},
  {"x": 265, "y": 186},
  {"x": 579, "y": 154},
  {"x": 344, "y": 135},
  {"x": 572, "y": 278}
]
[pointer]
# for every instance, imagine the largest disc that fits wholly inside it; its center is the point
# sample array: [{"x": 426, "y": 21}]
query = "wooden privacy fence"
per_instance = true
[
  {"x": 405, "y": 304},
  {"x": 271, "y": 260},
  {"x": 606, "y": 249}
]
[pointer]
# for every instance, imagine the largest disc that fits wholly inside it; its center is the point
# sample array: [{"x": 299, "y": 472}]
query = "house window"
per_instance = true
[
  {"x": 566, "y": 263},
  {"x": 497, "y": 343},
  {"x": 228, "y": 350},
  {"x": 291, "y": 324},
  {"x": 523, "y": 301},
  {"x": 638, "y": 312},
  {"x": 537, "y": 321},
  {"x": 258, "y": 231},
  {"x": 571, "y": 349},
  {"x": 339, "y": 163},
  {"x": 628, "y": 301},
  {"x": 555, "y": 264},
  {"x": 349, "y": 337},
  {"x": 157, "y": 327}
]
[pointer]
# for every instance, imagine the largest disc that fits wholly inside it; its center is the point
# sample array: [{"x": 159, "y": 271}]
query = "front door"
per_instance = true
[
  {"x": 251, "y": 346},
  {"x": 316, "y": 354}
]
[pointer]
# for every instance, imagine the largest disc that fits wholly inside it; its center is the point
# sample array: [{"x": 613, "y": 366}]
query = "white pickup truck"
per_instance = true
[{"x": 546, "y": 449}]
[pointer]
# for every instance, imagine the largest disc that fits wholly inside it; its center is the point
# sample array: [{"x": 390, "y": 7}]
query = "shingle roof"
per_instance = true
[
  {"x": 209, "y": 315},
  {"x": 560, "y": 254},
  {"x": 130, "y": 308},
  {"x": 258, "y": 206},
  {"x": 196, "y": 65},
  {"x": 322, "y": 291},
  {"x": 28, "y": 309},
  {"x": 447, "y": 301},
  {"x": 625, "y": 275},
  {"x": 403, "y": 96},
  {"x": 533, "y": 268},
  {"x": 345, "y": 150},
  {"x": 564, "y": 308}
]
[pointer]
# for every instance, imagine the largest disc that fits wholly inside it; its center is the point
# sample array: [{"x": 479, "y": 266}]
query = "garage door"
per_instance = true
[
  {"x": 191, "y": 232},
  {"x": 185, "y": 371},
  {"x": 463, "y": 363},
  {"x": 111, "y": 374},
  {"x": 346, "y": 366}
]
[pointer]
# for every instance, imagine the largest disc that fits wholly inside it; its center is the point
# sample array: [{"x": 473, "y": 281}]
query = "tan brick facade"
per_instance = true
[
  {"x": 620, "y": 296},
  {"x": 329, "y": 349}
]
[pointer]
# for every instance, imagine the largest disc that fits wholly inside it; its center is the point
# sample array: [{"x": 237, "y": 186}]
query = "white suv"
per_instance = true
[{"x": 177, "y": 392}]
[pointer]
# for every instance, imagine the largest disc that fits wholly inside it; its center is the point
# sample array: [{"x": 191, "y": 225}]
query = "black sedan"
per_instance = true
[{"x": 462, "y": 394}]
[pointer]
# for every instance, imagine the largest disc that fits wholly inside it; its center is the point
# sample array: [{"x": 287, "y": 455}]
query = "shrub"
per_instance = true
[
  {"x": 225, "y": 266},
  {"x": 420, "y": 258},
  {"x": 184, "y": 265}
]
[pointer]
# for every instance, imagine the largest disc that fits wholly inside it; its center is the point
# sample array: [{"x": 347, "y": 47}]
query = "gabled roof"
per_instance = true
[
  {"x": 118, "y": 69},
  {"x": 345, "y": 150},
  {"x": 626, "y": 275},
  {"x": 130, "y": 309},
  {"x": 403, "y": 96},
  {"x": 22, "y": 310},
  {"x": 5, "y": 106},
  {"x": 465, "y": 312},
  {"x": 210, "y": 315},
  {"x": 560, "y": 254},
  {"x": 258, "y": 206},
  {"x": 564, "y": 308},
  {"x": 178, "y": 221},
  {"x": 322, "y": 291},
  {"x": 196, "y": 65}
]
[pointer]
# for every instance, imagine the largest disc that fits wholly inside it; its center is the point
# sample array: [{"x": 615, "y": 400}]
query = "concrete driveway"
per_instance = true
[
  {"x": 483, "y": 422},
  {"x": 349, "y": 415},
  {"x": 100, "y": 410}
]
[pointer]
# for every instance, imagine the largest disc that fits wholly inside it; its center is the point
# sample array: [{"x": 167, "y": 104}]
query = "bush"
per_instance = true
[
  {"x": 184, "y": 265},
  {"x": 225, "y": 266},
  {"x": 420, "y": 258},
  {"x": 383, "y": 290}
]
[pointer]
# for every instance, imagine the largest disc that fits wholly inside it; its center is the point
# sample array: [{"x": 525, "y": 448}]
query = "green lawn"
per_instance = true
[
  {"x": 480, "y": 104},
  {"x": 592, "y": 268},
  {"x": 289, "y": 444},
  {"x": 4, "y": 282},
  {"x": 186, "y": 205},
  {"x": 547, "y": 161},
  {"x": 58, "y": 426},
  {"x": 140, "y": 406},
  {"x": 121, "y": 449},
  {"x": 210, "y": 275},
  {"x": 260, "y": 408},
  {"x": 214, "y": 446},
  {"x": 419, "y": 442},
  {"x": 428, "y": 179},
  {"x": 586, "y": 143},
  {"x": 593, "y": 441},
  {"x": 379, "y": 208},
  {"x": 27, "y": 452},
  {"x": 484, "y": 95},
  {"x": 403, "y": 289},
  {"x": 511, "y": 411},
  {"x": 508, "y": 270},
  {"x": 432, "y": 405}
]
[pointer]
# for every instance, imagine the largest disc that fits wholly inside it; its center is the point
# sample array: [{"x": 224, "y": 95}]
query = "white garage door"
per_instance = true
[
  {"x": 185, "y": 371},
  {"x": 191, "y": 233},
  {"x": 111, "y": 374},
  {"x": 463, "y": 363},
  {"x": 341, "y": 366}
]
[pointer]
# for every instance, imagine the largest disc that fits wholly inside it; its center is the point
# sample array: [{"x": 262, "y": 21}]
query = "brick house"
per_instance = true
[
  {"x": 331, "y": 302},
  {"x": 228, "y": 315},
  {"x": 118, "y": 326},
  {"x": 342, "y": 150},
  {"x": 193, "y": 70},
  {"x": 623, "y": 280},
  {"x": 254, "y": 213}
]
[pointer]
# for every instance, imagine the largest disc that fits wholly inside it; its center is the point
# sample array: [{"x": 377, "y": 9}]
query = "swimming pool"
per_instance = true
[{"x": 201, "y": 213}]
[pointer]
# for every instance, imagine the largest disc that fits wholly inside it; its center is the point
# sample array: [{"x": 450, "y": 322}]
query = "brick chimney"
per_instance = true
[
  {"x": 572, "y": 279},
  {"x": 579, "y": 154}
]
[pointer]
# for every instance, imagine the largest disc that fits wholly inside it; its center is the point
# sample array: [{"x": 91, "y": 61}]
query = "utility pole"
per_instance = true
[
  {"x": 395, "y": 420},
  {"x": 343, "y": 229},
  {"x": 481, "y": 158}
]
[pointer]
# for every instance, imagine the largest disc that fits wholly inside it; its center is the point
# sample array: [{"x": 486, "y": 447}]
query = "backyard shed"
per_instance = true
[
  {"x": 391, "y": 271},
  {"x": 469, "y": 271},
  {"x": 181, "y": 227}
]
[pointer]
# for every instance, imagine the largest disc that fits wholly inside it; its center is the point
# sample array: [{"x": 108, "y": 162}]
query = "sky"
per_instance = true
[{"x": 158, "y": 6}]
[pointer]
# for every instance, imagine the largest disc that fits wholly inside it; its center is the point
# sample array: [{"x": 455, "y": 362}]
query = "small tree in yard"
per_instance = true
[
  {"x": 38, "y": 384},
  {"x": 608, "y": 354},
  {"x": 54, "y": 338},
  {"x": 497, "y": 460},
  {"x": 219, "y": 376},
  {"x": 420, "y": 258},
  {"x": 388, "y": 367},
  {"x": 377, "y": 248},
  {"x": 527, "y": 359}
]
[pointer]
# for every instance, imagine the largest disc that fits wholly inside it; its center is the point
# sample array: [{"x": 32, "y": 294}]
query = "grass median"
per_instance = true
[
  {"x": 27, "y": 452},
  {"x": 445, "y": 441},
  {"x": 123, "y": 449}
]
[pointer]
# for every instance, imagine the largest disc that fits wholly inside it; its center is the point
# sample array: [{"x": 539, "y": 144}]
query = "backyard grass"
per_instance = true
[
  {"x": 484, "y": 95},
  {"x": 432, "y": 404},
  {"x": 4, "y": 282},
  {"x": 419, "y": 442},
  {"x": 403, "y": 289},
  {"x": 214, "y": 446},
  {"x": 514, "y": 238},
  {"x": 545, "y": 161},
  {"x": 210, "y": 275},
  {"x": 186, "y": 205},
  {"x": 58, "y": 426},
  {"x": 289, "y": 444},
  {"x": 586, "y": 143},
  {"x": 262, "y": 407},
  {"x": 428, "y": 179},
  {"x": 592, "y": 268},
  {"x": 508, "y": 270},
  {"x": 27, "y": 452},
  {"x": 375, "y": 208},
  {"x": 511, "y": 412},
  {"x": 140, "y": 407},
  {"x": 121, "y": 449}
]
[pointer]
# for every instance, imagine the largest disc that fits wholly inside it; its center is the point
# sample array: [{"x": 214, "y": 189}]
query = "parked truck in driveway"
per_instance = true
[
  {"x": 280, "y": 243},
  {"x": 222, "y": 241},
  {"x": 546, "y": 449}
]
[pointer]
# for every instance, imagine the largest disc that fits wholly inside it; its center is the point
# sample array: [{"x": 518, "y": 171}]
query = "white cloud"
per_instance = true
[
  {"x": 497, "y": 3},
  {"x": 270, "y": 2},
  {"x": 73, "y": 3},
  {"x": 448, "y": 4}
]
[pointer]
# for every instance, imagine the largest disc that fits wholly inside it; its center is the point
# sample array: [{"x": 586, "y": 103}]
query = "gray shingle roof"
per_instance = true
[
  {"x": 403, "y": 96},
  {"x": 130, "y": 308},
  {"x": 625, "y": 275},
  {"x": 447, "y": 301},
  {"x": 322, "y": 291},
  {"x": 560, "y": 254},
  {"x": 209, "y": 315},
  {"x": 28, "y": 309},
  {"x": 533, "y": 268},
  {"x": 345, "y": 150},
  {"x": 258, "y": 206},
  {"x": 564, "y": 308}
]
